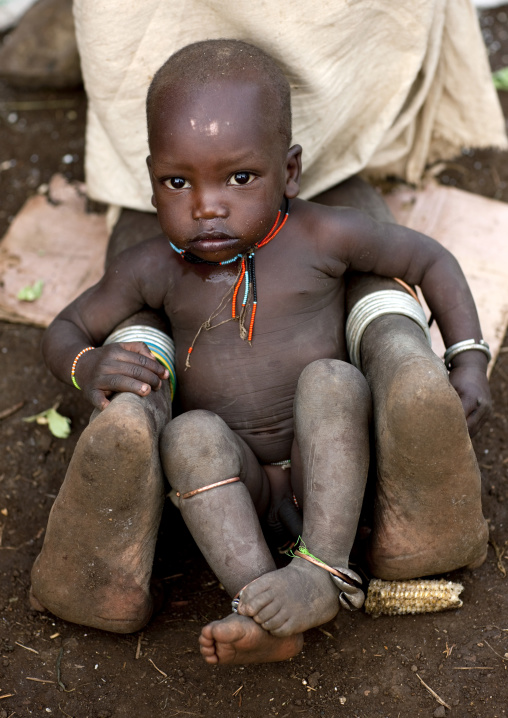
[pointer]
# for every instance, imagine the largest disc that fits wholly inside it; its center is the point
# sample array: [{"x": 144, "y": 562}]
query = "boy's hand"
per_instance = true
[
  {"x": 471, "y": 384},
  {"x": 116, "y": 368}
]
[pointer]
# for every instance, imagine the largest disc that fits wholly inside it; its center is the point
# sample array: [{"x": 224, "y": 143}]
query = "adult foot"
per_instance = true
[
  {"x": 96, "y": 561},
  {"x": 239, "y": 640},
  {"x": 291, "y": 600},
  {"x": 428, "y": 516}
]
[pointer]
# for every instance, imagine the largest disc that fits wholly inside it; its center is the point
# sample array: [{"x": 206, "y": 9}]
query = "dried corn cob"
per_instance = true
[{"x": 395, "y": 598}]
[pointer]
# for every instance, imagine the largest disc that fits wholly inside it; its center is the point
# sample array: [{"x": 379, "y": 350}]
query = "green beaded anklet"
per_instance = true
[{"x": 74, "y": 364}]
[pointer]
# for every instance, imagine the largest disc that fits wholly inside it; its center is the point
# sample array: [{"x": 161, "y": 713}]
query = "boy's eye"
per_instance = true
[
  {"x": 240, "y": 178},
  {"x": 176, "y": 183}
]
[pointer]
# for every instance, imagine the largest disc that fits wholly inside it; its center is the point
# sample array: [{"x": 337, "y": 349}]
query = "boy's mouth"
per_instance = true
[{"x": 212, "y": 242}]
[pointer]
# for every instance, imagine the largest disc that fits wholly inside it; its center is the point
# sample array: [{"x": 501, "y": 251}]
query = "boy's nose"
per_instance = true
[{"x": 208, "y": 205}]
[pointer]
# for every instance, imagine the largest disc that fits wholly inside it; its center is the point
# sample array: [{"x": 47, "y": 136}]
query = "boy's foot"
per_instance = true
[
  {"x": 276, "y": 609},
  {"x": 239, "y": 640},
  {"x": 291, "y": 600},
  {"x": 428, "y": 517},
  {"x": 96, "y": 561}
]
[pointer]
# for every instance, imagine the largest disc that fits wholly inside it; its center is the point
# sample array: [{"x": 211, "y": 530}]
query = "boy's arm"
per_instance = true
[
  {"x": 89, "y": 319},
  {"x": 391, "y": 250}
]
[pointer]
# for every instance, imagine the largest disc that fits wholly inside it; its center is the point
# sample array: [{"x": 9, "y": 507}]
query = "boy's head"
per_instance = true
[
  {"x": 219, "y": 129},
  {"x": 219, "y": 61}
]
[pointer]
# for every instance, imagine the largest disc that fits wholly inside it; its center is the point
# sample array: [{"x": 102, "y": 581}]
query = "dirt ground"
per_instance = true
[{"x": 353, "y": 666}]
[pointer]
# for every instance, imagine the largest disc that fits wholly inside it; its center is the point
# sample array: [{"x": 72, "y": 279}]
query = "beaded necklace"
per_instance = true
[
  {"x": 246, "y": 271},
  {"x": 189, "y": 257}
]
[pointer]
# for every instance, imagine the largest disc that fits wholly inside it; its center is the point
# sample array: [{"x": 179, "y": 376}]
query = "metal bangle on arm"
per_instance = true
[{"x": 466, "y": 346}]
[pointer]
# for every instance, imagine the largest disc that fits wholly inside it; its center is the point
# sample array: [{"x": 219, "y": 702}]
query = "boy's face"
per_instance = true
[{"x": 218, "y": 169}]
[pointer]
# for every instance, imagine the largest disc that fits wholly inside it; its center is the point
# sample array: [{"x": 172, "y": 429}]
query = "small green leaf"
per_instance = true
[
  {"x": 500, "y": 78},
  {"x": 31, "y": 293},
  {"x": 60, "y": 426}
]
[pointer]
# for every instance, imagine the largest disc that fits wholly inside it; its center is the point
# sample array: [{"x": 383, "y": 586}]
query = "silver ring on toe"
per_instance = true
[{"x": 236, "y": 600}]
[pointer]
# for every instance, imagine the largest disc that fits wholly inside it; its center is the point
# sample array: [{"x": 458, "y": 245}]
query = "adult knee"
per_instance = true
[
  {"x": 198, "y": 446},
  {"x": 154, "y": 408}
]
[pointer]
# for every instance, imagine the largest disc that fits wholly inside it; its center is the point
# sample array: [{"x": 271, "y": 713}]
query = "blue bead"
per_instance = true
[{"x": 179, "y": 251}]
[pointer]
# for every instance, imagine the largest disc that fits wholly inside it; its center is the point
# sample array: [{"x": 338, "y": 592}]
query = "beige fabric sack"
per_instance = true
[{"x": 378, "y": 85}]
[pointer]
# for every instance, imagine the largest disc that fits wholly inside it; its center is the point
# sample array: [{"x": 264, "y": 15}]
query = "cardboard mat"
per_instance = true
[
  {"x": 475, "y": 230},
  {"x": 54, "y": 239}
]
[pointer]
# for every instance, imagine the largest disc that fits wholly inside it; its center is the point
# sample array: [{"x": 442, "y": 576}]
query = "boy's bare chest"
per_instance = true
[
  {"x": 299, "y": 318},
  {"x": 286, "y": 295},
  {"x": 251, "y": 386}
]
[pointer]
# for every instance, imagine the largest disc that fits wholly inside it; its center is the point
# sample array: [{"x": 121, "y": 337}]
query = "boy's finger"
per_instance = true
[
  {"x": 143, "y": 357},
  {"x": 136, "y": 348},
  {"x": 477, "y": 418},
  {"x": 129, "y": 376},
  {"x": 121, "y": 383},
  {"x": 98, "y": 399}
]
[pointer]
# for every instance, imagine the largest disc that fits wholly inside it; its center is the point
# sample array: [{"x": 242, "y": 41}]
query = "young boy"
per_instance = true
[{"x": 252, "y": 283}]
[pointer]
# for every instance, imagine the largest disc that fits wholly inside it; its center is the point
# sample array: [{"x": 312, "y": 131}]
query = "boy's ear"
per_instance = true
[
  {"x": 293, "y": 171},
  {"x": 149, "y": 165}
]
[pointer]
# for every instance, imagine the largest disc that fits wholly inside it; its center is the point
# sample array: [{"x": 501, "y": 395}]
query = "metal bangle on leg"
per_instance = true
[
  {"x": 160, "y": 344},
  {"x": 375, "y": 305}
]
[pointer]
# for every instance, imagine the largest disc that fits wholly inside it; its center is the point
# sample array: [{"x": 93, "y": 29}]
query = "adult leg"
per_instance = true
[
  {"x": 96, "y": 561},
  {"x": 427, "y": 516},
  {"x": 331, "y": 414},
  {"x": 131, "y": 228}
]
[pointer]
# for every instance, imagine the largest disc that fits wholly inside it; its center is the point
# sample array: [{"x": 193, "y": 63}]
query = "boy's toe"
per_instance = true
[{"x": 267, "y": 614}]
